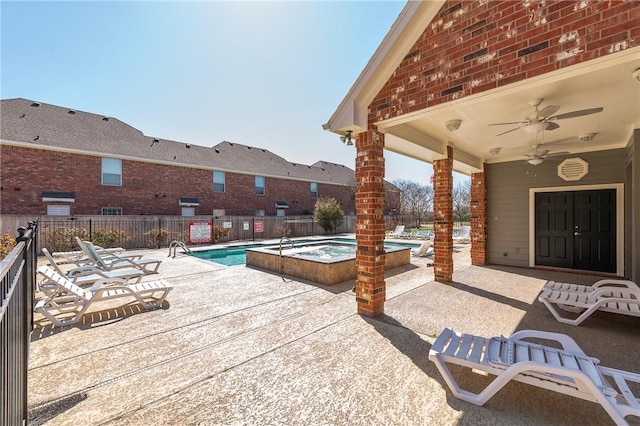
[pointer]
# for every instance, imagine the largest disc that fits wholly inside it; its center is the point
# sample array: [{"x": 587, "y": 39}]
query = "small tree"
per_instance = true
[{"x": 328, "y": 214}]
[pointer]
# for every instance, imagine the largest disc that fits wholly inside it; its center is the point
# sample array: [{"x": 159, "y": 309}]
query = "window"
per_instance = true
[
  {"x": 314, "y": 190},
  {"x": 111, "y": 172},
  {"x": 260, "y": 185},
  {"x": 188, "y": 211},
  {"x": 218, "y": 181},
  {"x": 111, "y": 211},
  {"x": 58, "y": 210}
]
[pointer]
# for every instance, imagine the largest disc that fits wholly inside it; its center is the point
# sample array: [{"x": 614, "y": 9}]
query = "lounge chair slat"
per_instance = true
[
  {"x": 454, "y": 342},
  {"x": 537, "y": 354},
  {"x": 442, "y": 339},
  {"x": 553, "y": 358},
  {"x": 479, "y": 348},
  {"x": 465, "y": 345}
]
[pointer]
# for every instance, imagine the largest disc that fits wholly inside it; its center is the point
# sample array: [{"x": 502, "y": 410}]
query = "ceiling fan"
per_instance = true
[
  {"x": 544, "y": 119},
  {"x": 538, "y": 155}
]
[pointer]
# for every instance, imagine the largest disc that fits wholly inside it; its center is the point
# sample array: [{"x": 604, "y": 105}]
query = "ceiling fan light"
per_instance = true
[
  {"x": 537, "y": 127},
  {"x": 587, "y": 137},
  {"x": 453, "y": 125},
  {"x": 535, "y": 161}
]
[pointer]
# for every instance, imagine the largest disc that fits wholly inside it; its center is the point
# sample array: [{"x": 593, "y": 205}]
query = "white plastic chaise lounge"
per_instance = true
[
  {"x": 463, "y": 235},
  {"x": 68, "y": 298},
  {"x": 425, "y": 249},
  {"x": 607, "y": 282},
  {"x": 615, "y": 296},
  {"x": 568, "y": 370},
  {"x": 78, "y": 257},
  {"x": 85, "y": 275},
  {"x": 396, "y": 233},
  {"x": 147, "y": 265}
]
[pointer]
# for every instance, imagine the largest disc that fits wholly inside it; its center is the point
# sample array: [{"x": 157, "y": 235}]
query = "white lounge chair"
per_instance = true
[
  {"x": 85, "y": 275},
  {"x": 463, "y": 235},
  {"x": 607, "y": 282},
  {"x": 396, "y": 233},
  {"x": 623, "y": 300},
  {"x": 68, "y": 298},
  {"x": 79, "y": 258},
  {"x": 148, "y": 266},
  {"x": 425, "y": 249},
  {"x": 568, "y": 370}
]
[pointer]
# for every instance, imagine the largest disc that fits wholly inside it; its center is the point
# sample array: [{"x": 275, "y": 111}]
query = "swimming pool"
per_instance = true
[{"x": 236, "y": 255}]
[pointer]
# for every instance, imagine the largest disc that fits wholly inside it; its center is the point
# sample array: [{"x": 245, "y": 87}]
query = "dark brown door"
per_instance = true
[{"x": 576, "y": 230}]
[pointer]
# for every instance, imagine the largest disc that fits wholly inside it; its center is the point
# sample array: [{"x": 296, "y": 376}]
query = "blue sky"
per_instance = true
[{"x": 265, "y": 74}]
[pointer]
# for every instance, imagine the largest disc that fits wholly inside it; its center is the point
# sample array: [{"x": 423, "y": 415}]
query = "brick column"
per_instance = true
[
  {"x": 478, "y": 219},
  {"x": 370, "y": 257},
  {"x": 443, "y": 218}
]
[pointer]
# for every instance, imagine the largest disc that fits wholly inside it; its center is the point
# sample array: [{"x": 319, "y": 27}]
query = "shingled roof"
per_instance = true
[{"x": 39, "y": 125}]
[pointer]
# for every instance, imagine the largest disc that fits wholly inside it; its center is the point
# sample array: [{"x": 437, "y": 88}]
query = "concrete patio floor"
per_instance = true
[{"x": 238, "y": 346}]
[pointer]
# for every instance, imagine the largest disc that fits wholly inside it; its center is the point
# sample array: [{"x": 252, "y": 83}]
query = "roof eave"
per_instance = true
[{"x": 352, "y": 113}]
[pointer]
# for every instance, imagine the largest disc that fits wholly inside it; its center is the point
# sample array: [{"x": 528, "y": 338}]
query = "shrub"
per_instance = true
[
  {"x": 7, "y": 243},
  {"x": 219, "y": 232},
  {"x": 157, "y": 238},
  {"x": 282, "y": 231},
  {"x": 63, "y": 238},
  {"x": 109, "y": 237},
  {"x": 328, "y": 213}
]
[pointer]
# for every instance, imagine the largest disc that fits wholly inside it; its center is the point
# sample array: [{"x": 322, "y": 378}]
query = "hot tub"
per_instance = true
[{"x": 327, "y": 263}]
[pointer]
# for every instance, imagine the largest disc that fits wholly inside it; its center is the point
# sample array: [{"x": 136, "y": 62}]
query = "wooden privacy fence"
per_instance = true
[{"x": 57, "y": 233}]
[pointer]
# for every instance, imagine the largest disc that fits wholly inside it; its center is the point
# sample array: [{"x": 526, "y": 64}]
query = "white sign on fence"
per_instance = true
[{"x": 200, "y": 232}]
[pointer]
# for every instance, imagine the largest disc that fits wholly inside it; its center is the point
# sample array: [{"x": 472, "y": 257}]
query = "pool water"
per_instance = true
[
  {"x": 229, "y": 256},
  {"x": 236, "y": 255},
  {"x": 329, "y": 252}
]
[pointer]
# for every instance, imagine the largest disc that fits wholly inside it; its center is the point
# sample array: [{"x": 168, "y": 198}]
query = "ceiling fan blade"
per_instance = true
[
  {"x": 551, "y": 126},
  {"x": 522, "y": 123},
  {"x": 558, "y": 154},
  {"x": 574, "y": 114},
  {"x": 547, "y": 111},
  {"x": 508, "y": 131}
]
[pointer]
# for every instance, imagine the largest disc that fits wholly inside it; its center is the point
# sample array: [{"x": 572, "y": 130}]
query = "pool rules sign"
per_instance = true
[{"x": 200, "y": 232}]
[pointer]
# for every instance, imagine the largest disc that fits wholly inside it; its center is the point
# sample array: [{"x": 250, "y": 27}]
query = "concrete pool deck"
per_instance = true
[{"x": 236, "y": 346}]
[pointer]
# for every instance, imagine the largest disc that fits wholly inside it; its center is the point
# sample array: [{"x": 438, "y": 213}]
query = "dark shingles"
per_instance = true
[{"x": 54, "y": 127}]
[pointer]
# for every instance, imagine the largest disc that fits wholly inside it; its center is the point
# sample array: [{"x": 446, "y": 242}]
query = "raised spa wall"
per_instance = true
[{"x": 323, "y": 272}]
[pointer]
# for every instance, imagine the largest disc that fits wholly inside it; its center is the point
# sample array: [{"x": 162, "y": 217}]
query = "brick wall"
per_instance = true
[
  {"x": 471, "y": 47},
  {"x": 147, "y": 188}
]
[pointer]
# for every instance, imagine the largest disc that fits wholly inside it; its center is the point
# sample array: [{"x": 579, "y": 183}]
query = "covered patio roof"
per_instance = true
[{"x": 607, "y": 83}]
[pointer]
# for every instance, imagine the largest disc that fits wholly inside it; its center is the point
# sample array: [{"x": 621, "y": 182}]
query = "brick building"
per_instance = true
[{"x": 59, "y": 161}]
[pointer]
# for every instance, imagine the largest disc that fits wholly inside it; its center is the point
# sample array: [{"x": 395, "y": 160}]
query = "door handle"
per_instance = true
[{"x": 577, "y": 234}]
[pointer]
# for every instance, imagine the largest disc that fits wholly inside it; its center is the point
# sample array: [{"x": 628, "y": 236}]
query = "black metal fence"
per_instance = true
[
  {"x": 17, "y": 285},
  {"x": 135, "y": 232}
]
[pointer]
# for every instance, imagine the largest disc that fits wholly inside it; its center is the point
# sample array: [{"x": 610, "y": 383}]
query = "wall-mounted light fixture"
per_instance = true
[
  {"x": 346, "y": 139},
  {"x": 453, "y": 125}
]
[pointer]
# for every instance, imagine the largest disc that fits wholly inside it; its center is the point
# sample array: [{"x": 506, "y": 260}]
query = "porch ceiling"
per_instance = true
[{"x": 605, "y": 82}]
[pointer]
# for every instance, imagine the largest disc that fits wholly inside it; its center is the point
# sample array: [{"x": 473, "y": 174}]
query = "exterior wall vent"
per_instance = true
[{"x": 573, "y": 169}]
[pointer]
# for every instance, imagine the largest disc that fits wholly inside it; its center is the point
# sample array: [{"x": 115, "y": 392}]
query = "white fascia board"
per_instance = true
[{"x": 352, "y": 113}]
